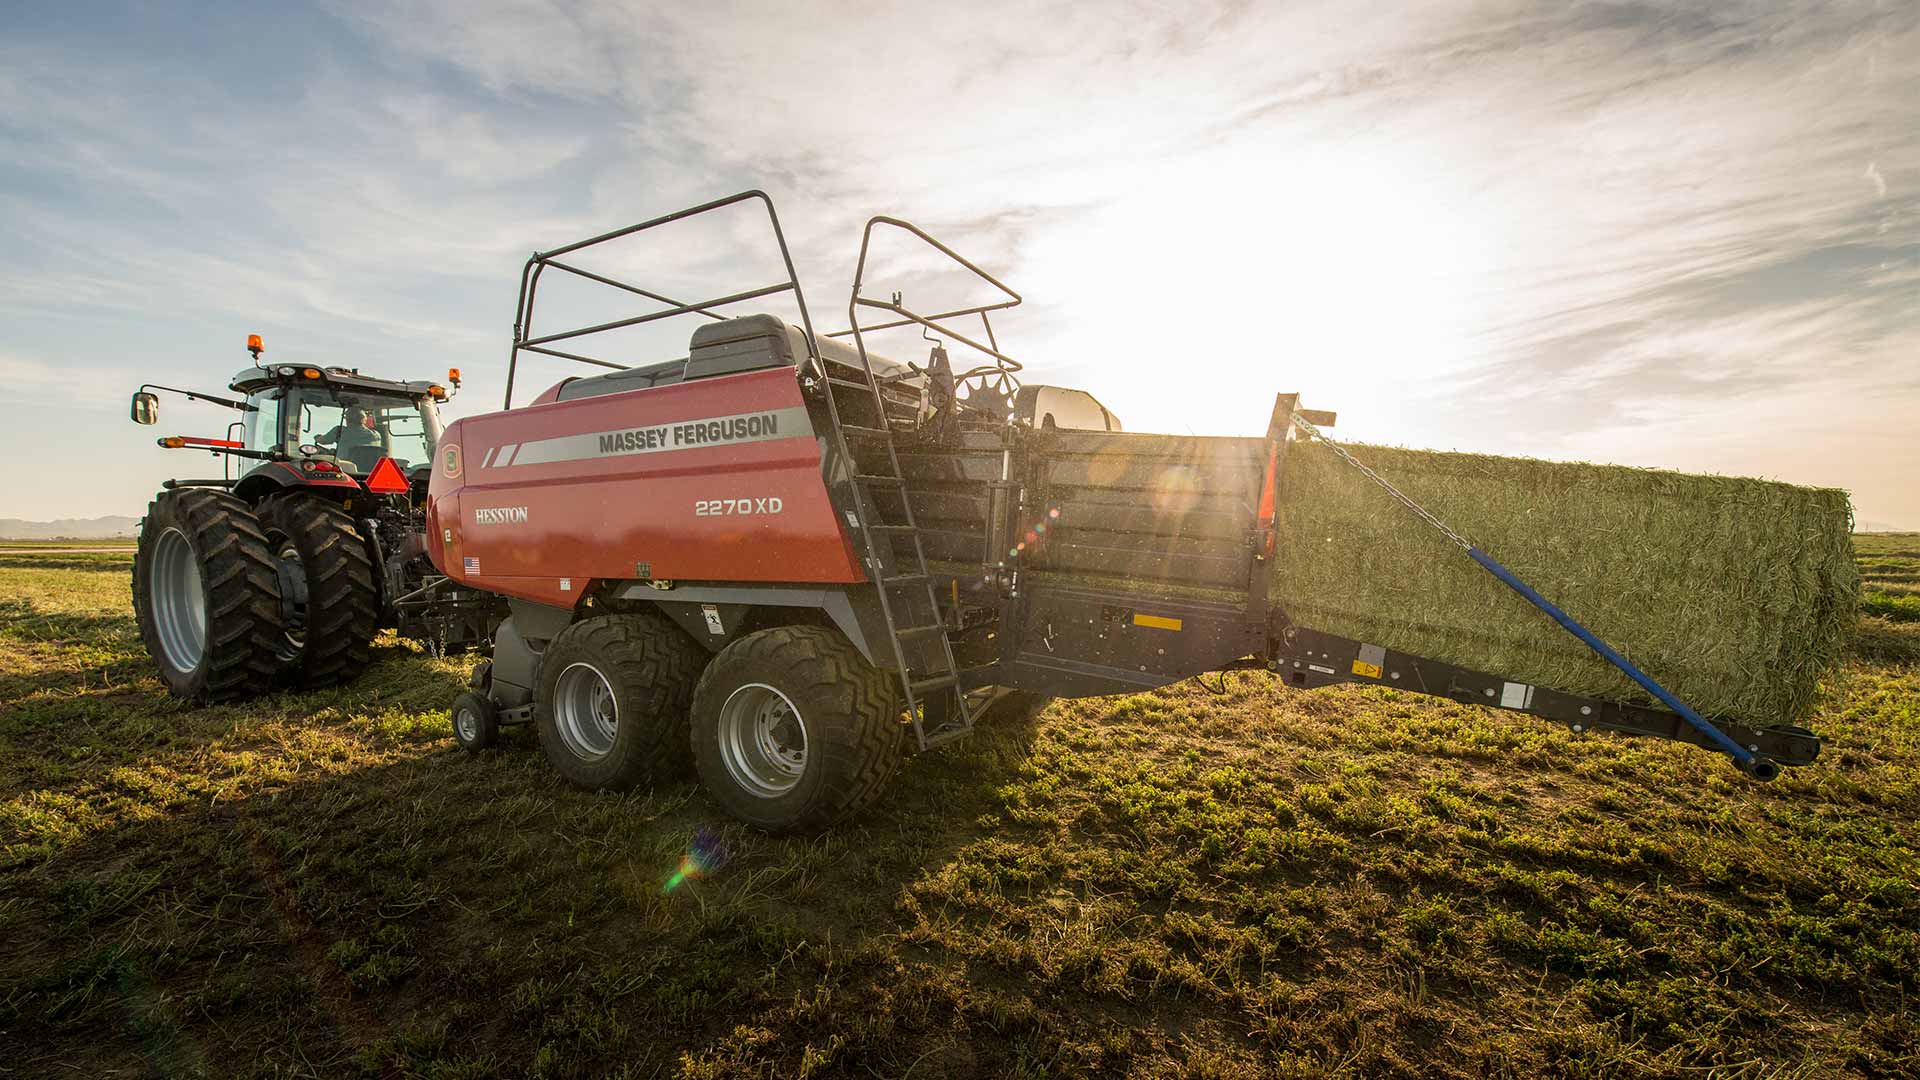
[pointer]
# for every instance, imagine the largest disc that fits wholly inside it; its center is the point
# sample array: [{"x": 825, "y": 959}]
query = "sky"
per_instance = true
[{"x": 1678, "y": 235}]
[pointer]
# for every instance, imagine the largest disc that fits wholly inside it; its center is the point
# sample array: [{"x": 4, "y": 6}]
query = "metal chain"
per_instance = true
[{"x": 1303, "y": 424}]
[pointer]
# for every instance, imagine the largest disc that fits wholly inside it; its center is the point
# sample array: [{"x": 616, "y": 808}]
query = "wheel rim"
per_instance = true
[
  {"x": 293, "y": 595},
  {"x": 763, "y": 740},
  {"x": 585, "y": 711},
  {"x": 466, "y": 725},
  {"x": 179, "y": 601}
]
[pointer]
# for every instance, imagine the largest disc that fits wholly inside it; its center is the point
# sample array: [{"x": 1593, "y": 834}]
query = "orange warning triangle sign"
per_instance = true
[{"x": 387, "y": 479}]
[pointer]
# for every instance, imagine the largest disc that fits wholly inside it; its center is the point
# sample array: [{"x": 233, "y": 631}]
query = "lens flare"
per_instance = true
[{"x": 705, "y": 855}]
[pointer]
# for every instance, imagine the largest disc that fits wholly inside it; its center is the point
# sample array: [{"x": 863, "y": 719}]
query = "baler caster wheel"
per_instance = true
[
  {"x": 476, "y": 722},
  {"x": 793, "y": 730}
]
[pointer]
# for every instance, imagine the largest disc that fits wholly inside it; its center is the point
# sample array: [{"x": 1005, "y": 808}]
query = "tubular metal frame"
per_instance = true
[
  {"x": 930, "y": 322},
  {"x": 539, "y": 261},
  {"x": 958, "y": 719}
]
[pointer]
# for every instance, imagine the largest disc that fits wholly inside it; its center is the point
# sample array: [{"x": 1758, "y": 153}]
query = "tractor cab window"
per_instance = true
[
  {"x": 260, "y": 427},
  {"x": 358, "y": 429}
]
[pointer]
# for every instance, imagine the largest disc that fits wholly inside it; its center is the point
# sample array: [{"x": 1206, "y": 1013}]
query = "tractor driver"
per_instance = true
[{"x": 354, "y": 429}]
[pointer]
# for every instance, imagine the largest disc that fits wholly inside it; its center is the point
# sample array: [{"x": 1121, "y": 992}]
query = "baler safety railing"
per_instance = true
[
  {"x": 885, "y": 515},
  {"x": 934, "y": 322},
  {"x": 537, "y": 264}
]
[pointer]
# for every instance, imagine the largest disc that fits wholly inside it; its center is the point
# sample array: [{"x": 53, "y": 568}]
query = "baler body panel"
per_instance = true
[{"x": 713, "y": 480}]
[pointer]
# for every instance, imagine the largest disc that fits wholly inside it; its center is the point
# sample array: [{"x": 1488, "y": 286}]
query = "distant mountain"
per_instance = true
[{"x": 100, "y": 528}]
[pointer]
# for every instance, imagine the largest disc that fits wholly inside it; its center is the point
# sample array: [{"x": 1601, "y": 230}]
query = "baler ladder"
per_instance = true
[{"x": 929, "y": 677}]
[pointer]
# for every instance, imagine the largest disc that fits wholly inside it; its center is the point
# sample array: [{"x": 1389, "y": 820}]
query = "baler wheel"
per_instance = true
[
  {"x": 329, "y": 606},
  {"x": 206, "y": 596},
  {"x": 476, "y": 722},
  {"x": 613, "y": 697},
  {"x": 794, "y": 730}
]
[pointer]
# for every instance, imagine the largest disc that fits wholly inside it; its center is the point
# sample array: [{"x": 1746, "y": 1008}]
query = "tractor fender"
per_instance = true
[
  {"x": 273, "y": 477},
  {"x": 716, "y": 614}
]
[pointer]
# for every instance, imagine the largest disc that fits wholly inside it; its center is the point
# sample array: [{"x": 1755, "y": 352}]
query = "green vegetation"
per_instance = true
[
  {"x": 122, "y": 543},
  {"x": 1738, "y": 595},
  {"x": 1890, "y": 577},
  {"x": 1266, "y": 883}
]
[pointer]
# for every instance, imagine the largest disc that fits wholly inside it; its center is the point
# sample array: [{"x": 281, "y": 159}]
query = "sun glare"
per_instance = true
[{"x": 1344, "y": 274}]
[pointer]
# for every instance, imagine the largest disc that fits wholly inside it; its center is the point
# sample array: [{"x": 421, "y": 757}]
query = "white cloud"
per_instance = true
[
  {"x": 1458, "y": 225},
  {"x": 1873, "y": 177}
]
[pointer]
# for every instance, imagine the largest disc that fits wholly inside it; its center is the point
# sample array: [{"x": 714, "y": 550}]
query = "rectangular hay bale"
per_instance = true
[{"x": 1735, "y": 594}]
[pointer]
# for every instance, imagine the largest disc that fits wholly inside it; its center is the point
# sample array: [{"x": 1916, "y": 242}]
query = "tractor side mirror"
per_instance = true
[{"x": 146, "y": 407}]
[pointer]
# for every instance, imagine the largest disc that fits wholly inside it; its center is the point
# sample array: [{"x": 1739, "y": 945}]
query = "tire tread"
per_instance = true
[
  {"x": 343, "y": 604},
  {"x": 866, "y": 751},
  {"x": 644, "y": 650},
  {"x": 243, "y": 594}
]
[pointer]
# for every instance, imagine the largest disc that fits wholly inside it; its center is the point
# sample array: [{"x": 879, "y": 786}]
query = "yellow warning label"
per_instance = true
[
  {"x": 1371, "y": 671},
  {"x": 1157, "y": 622}
]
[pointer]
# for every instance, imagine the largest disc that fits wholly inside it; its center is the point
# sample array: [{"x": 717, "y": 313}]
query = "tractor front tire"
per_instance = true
[
  {"x": 329, "y": 605},
  {"x": 206, "y": 596},
  {"x": 613, "y": 697},
  {"x": 793, "y": 730}
]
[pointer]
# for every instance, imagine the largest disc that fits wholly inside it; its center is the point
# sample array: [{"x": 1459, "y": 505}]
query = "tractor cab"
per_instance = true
[{"x": 336, "y": 413}]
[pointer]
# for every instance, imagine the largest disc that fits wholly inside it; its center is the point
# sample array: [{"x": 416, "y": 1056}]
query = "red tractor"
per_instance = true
[
  {"x": 794, "y": 561},
  {"x": 281, "y": 573}
]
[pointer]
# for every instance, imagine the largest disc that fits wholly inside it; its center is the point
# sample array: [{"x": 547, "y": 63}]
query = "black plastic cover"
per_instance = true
[
  {"x": 615, "y": 382},
  {"x": 747, "y": 343}
]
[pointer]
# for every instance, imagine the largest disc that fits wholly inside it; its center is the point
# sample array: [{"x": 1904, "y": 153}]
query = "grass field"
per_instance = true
[
  {"x": 1890, "y": 585},
  {"x": 1267, "y": 883},
  {"x": 7, "y": 546}
]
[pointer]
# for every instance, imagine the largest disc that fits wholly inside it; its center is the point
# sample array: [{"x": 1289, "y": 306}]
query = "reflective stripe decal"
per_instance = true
[
  {"x": 766, "y": 426},
  {"x": 1515, "y": 695}
]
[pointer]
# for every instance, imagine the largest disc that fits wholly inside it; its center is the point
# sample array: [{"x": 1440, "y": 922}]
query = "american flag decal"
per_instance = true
[{"x": 473, "y": 564}]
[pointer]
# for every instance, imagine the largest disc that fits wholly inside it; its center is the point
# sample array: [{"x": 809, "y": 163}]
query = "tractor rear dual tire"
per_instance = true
[
  {"x": 330, "y": 607},
  {"x": 207, "y": 596},
  {"x": 793, "y": 730}
]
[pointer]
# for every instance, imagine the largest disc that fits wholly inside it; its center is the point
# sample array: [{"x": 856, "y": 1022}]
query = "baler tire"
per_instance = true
[
  {"x": 342, "y": 602},
  {"x": 851, "y": 719},
  {"x": 476, "y": 722},
  {"x": 650, "y": 666},
  {"x": 209, "y": 539}
]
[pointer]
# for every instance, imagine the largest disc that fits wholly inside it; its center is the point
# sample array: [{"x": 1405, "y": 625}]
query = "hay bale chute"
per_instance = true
[{"x": 1736, "y": 594}]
